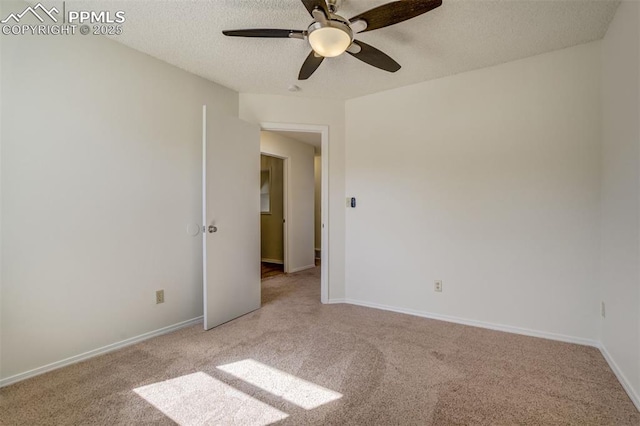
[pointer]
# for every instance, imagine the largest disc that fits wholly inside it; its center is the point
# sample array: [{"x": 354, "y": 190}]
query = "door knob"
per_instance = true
[{"x": 213, "y": 229}]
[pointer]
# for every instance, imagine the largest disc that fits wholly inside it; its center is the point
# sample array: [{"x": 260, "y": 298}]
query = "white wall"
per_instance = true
[
  {"x": 489, "y": 181},
  {"x": 101, "y": 172},
  {"x": 283, "y": 109},
  {"x": 620, "y": 330},
  {"x": 317, "y": 175},
  {"x": 299, "y": 214},
  {"x": 1, "y": 184}
]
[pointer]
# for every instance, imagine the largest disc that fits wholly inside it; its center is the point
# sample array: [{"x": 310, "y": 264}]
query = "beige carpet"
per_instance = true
[{"x": 296, "y": 362}]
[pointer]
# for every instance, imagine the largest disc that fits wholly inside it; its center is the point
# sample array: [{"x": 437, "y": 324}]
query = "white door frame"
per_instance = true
[{"x": 324, "y": 233}]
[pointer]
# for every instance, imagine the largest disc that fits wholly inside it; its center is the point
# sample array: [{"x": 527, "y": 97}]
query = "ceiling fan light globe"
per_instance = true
[{"x": 329, "y": 41}]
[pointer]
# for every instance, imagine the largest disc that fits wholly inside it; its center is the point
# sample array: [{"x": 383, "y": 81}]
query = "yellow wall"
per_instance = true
[{"x": 271, "y": 223}]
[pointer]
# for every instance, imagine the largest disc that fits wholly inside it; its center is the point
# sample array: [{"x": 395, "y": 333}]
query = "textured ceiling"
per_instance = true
[{"x": 459, "y": 36}]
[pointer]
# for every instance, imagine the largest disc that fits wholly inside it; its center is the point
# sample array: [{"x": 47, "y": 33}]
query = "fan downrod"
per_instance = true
[{"x": 334, "y": 5}]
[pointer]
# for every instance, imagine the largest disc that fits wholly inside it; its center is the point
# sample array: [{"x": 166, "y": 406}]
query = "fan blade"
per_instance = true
[
  {"x": 312, "y": 5},
  {"x": 394, "y": 12},
  {"x": 375, "y": 57},
  {"x": 310, "y": 65},
  {"x": 265, "y": 32}
]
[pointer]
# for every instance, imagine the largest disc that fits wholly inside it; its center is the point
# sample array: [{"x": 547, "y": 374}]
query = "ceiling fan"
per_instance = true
[{"x": 331, "y": 35}]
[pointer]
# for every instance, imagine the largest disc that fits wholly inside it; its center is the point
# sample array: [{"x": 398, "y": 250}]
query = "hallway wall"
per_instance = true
[{"x": 271, "y": 226}]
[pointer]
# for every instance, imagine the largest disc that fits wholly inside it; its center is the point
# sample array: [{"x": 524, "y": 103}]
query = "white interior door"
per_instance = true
[{"x": 231, "y": 217}]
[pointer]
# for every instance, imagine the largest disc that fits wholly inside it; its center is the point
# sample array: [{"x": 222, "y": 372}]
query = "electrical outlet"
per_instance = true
[
  {"x": 437, "y": 286},
  {"x": 603, "y": 311},
  {"x": 159, "y": 296}
]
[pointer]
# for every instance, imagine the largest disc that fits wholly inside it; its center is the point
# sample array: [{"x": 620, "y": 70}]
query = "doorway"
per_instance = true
[
  {"x": 314, "y": 221},
  {"x": 272, "y": 216}
]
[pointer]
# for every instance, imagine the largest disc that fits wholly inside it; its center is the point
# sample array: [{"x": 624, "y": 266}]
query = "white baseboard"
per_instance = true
[
  {"x": 302, "y": 268},
  {"x": 335, "y": 301},
  {"x": 277, "y": 262},
  {"x": 481, "y": 324},
  {"x": 635, "y": 398},
  {"x": 100, "y": 351}
]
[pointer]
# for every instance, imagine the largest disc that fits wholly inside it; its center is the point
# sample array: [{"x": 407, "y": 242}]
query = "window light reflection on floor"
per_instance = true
[
  {"x": 198, "y": 398},
  {"x": 290, "y": 388}
]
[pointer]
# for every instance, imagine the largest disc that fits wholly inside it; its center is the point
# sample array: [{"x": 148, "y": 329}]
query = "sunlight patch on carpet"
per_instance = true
[
  {"x": 290, "y": 388},
  {"x": 198, "y": 398}
]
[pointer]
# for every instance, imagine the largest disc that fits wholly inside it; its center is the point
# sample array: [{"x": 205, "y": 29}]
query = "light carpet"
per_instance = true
[{"x": 296, "y": 361}]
